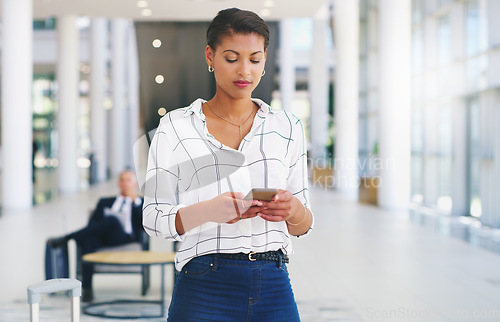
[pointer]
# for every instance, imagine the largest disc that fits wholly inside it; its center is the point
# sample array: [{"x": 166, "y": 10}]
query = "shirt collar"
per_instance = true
[
  {"x": 120, "y": 198},
  {"x": 196, "y": 108}
]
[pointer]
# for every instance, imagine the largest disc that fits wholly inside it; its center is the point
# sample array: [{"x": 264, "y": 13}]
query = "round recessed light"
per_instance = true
[
  {"x": 142, "y": 3},
  {"x": 159, "y": 79},
  {"x": 162, "y": 111},
  {"x": 146, "y": 12},
  {"x": 157, "y": 43}
]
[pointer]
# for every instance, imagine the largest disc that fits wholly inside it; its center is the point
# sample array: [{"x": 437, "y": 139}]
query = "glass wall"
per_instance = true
[
  {"x": 45, "y": 135},
  {"x": 44, "y": 138},
  {"x": 454, "y": 101},
  {"x": 368, "y": 88}
]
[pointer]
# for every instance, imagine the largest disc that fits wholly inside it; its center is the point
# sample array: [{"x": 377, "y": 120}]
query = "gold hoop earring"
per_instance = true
[
  {"x": 210, "y": 69},
  {"x": 263, "y": 72}
]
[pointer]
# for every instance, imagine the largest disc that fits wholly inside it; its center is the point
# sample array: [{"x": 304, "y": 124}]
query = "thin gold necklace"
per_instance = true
[{"x": 238, "y": 125}]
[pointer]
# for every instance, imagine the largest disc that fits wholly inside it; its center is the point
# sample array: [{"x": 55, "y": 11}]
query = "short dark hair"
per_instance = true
[{"x": 236, "y": 21}]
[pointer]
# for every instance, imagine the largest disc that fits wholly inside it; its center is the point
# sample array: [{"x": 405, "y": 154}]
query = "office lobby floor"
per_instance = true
[{"x": 360, "y": 263}]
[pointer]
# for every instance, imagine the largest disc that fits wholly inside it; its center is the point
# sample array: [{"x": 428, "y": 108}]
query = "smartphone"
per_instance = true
[{"x": 263, "y": 194}]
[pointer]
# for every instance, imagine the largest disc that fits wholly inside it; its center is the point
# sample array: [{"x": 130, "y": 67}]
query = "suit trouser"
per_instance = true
[{"x": 103, "y": 233}]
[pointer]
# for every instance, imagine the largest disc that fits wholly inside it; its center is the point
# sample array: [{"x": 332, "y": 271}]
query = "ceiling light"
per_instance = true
[
  {"x": 265, "y": 12},
  {"x": 269, "y": 3},
  {"x": 146, "y": 12},
  {"x": 159, "y": 79},
  {"x": 142, "y": 3},
  {"x": 83, "y": 22},
  {"x": 157, "y": 43},
  {"x": 162, "y": 111}
]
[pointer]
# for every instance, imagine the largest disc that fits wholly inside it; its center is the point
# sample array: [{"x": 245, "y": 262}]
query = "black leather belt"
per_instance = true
[{"x": 267, "y": 256}]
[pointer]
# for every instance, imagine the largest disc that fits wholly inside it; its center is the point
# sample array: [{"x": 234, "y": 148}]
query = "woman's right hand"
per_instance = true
[{"x": 230, "y": 207}]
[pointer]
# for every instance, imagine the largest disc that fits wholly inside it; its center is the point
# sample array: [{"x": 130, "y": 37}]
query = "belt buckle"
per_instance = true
[{"x": 250, "y": 257}]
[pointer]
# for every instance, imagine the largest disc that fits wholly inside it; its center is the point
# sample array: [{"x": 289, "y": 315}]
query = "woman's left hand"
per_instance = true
[{"x": 283, "y": 205}]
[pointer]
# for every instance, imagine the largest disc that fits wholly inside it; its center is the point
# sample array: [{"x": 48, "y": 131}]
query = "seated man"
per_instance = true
[{"x": 115, "y": 221}]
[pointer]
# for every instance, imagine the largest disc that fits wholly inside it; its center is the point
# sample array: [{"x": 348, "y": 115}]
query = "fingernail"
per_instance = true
[{"x": 276, "y": 198}]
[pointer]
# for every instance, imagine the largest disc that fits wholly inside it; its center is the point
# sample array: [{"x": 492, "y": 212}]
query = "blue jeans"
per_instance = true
[{"x": 210, "y": 288}]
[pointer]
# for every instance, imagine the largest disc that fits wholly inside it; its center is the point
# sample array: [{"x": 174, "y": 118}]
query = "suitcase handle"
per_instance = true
[{"x": 35, "y": 292}]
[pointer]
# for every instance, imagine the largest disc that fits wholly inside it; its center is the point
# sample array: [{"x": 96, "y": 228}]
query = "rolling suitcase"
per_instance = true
[
  {"x": 56, "y": 261},
  {"x": 72, "y": 286}
]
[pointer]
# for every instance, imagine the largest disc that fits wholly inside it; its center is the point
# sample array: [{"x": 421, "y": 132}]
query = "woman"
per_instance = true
[{"x": 203, "y": 159}]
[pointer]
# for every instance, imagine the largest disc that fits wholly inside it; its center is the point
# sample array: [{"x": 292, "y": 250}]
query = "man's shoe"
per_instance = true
[{"x": 87, "y": 295}]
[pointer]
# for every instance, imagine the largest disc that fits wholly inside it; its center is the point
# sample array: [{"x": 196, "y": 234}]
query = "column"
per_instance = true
[
  {"x": 68, "y": 73},
  {"x": 346, "y": 35},
  {"x": 488, "y": 188},
  {"x": 459, "y": 170},
  {"x": 17, "y": 78},
  {"x": 98, "y": 63},
  {"x": 118, "y": 81},
  {"x": 318, "y": 89},
  {"x": 496, "y": 160},
  {"x": 394, "y": 103},
  {"x": 287, "y": 64},
  {"x": 133, "y": 94}
]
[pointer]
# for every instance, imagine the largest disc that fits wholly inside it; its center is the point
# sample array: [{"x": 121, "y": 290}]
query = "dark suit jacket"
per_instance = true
[{"x": 137, "y": 228}]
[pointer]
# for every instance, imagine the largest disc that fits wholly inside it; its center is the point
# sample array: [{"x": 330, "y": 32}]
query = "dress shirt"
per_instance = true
[
  {"x": 187, "y": 165},
  {"x": 122, "y": 210}
]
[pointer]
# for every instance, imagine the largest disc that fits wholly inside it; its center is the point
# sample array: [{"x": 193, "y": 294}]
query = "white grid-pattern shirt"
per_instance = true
[{"x": 187, "y": 165}]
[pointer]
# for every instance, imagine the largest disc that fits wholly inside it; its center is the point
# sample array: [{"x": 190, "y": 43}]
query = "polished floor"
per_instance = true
[{"x": 360, "y": 264}]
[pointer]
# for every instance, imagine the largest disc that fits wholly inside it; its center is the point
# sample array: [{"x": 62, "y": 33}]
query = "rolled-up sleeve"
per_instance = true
[
  {"x": 297, "y": 181},
  {"x": 161, "y": 201}
]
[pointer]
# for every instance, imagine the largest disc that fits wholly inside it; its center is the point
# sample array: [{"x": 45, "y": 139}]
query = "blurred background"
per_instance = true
[{"x": 401, "y": 98}]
